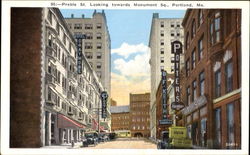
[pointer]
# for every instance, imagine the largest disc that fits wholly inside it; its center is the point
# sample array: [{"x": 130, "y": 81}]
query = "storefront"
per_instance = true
[
  {"x": 196, "y": 121},
  {"x": 60, "y": 129}
]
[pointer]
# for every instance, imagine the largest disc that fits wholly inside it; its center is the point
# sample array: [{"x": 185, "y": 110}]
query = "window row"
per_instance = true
[
  {"x": 138, "y": 127},
  {"x": 172, "y": 24},
  {"x": 89, "y": 45},
  {"x": 191, "y": 97},
  {"x": 77, "y": 26}
]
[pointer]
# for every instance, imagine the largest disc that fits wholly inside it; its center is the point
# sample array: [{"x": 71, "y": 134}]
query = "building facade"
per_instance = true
[
  {"x": 213, "y": 77},
  {"x": 120, "y": 116},
  {"x": 66, "y": 101},
  {"x": 97, "y": 46},
  {"x": 163, "y": 32},
  {"x": 139, "y": 111}
]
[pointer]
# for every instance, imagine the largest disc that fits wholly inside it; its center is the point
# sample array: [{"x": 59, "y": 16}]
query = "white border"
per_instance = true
[{"x": 5, "y": 78}]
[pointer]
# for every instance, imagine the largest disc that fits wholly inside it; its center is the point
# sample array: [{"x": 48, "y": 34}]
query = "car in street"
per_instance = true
[
  {"x": 84, "y": 141},
  {"x": 92, "y": 138}
]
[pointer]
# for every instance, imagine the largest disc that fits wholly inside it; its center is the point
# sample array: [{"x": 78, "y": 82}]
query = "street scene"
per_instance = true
[{"x": 125, "y": 79}]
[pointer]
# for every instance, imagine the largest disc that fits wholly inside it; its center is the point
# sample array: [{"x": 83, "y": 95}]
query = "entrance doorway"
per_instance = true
[{"x": 138, "y": 135}]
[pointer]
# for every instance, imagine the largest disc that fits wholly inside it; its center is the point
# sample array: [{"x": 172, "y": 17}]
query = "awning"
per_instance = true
[
  {"x": 95, "y": 125},
  {"x": 65, "y": 122}
]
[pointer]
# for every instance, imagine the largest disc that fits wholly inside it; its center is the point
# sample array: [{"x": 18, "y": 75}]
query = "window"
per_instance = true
[
  {"x": 193, "y": 59},
  {"x": 89, "y": 35},
  {"x": 178, "y": 24},
  {"x": 215, "y": 28},
  {"x": 98, "y": 25},
  {"x": 204, "y": 132},
  {"x": 217, "y": 84},
  {"x": 88, "y": 26},
  {"x": 200, "y": 48},
  {"x": 98, "y": 55},
  {"x": 187, "y": 41},
  {"x": 58, "y": 28},
  {"x": 177, "y": 34},
  {"x": 88, "y": 45},
  {"x": 162, "y": 50},
  {"x": 188, "y": 95},
  {"x": 187, "y": 68},
  {"x": 194, "y": 91},
  {"x": 200, "y": 17},
  {"x": 172, "y": 24},
  {"x": 64, "y": 39},
  {"x": 218, "y": 127},
  {"x": 162, "y": 42},
  {"x": 98, "y": 65},
  {"x": 230, "y": 125},
  {"x": 162, "y": 67},
  {"x": 193, "y": 29},
  {"x": 89, "y": 55},
  {"x": 50, "y": 17},
  {"x": 162, "y": 59},
  {"x": 162, "y": 33},
  {"x": 162, "y": 24},
  {"x": 202, "y": 83},
  {"x": 99, "y": 74},
  {"x": 229, "y": 76},
  {"x": 98, "y": 36},
  {"x": 98, "y": 45},
  {"x": 78, "y": 26}
]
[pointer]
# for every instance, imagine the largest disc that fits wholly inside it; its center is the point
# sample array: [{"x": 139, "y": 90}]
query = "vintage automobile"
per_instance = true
[
  {"x": 84, "y": 142},
  {"x": 175, "y": 138},
  {"x": 92, "y": 137}
]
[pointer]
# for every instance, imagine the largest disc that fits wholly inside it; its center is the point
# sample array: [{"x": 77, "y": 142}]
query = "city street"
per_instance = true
[
  {"x": 123, "y": 143},
  {"x": 120, "y": 143}
]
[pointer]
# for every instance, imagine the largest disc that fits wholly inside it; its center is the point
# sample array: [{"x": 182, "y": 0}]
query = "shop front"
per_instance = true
[{"x": 196, "y": 122}]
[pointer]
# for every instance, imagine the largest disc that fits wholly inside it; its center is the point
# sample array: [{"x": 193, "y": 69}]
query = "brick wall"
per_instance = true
[{"x": 25, "y": 77}]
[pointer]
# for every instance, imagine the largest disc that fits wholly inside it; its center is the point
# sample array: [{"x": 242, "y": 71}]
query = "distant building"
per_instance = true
[
  {"x": 139, "y": 111},
  {"x": 163, "y": 32},
  {"x": 120, "y": 118},
  {"x": 212, "y": 90},
  {"x": 113, "y": 102}
]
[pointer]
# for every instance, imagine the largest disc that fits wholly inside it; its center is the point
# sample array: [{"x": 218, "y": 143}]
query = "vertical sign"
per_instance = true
[
  {"x": 104, "y": 98},
  {"x": 176, "y": 49},
  {"x": 165, "y": 119},
  {"x": 79, "y": 38}
]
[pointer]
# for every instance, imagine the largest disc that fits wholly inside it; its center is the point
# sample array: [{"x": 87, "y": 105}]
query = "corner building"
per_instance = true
[
  {"x": 163, "y": 32},
  {"x": 57, "y": 104},
  {"x": 139, "y": 114},
  {"x": 212, "y": 91}
]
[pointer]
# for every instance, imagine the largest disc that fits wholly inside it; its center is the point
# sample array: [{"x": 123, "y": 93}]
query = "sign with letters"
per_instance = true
[
  {"x": 176, "y": 49},
  {"x": 104, "y": 98},
  {"x": 79, "y": 38}
]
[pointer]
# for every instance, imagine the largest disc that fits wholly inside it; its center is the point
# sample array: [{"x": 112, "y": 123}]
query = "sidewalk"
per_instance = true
[{"x": 64, "y": 146}]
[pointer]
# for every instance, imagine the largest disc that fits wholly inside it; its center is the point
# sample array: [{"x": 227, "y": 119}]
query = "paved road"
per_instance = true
[{"x": 122, "y": 143}]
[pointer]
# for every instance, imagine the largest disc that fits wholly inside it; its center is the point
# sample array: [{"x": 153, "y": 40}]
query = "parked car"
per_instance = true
[
  {"x": 92, "y": 138},
  {"x": 84, "y": 142}
]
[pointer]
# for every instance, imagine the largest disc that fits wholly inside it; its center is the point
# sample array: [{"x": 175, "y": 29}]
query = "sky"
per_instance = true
[{"x": 129, "y": 32}]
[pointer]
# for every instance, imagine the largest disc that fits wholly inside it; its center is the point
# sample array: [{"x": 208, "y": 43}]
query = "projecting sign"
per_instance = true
[
  {"x": 79, "y": 38},
  {"x": 176, "y": 49},
  {"x": 104, "y": 98}
]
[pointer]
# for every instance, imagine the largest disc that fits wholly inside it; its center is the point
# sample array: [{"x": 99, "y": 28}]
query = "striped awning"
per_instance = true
[{"x": 65, "y": 122}]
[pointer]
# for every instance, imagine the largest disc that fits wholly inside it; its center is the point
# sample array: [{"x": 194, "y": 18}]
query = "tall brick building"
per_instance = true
[
  {"x": 212, "y": 91},
  {"x": 49, "y": 102},
  {"x": 139, "y": 111}
]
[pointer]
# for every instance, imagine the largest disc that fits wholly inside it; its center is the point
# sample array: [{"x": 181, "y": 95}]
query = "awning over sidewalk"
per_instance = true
[{"x": 65, "y": 122}]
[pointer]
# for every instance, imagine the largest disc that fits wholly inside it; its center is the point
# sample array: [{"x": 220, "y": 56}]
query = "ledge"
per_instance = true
[{"x": 226, "y": 96}]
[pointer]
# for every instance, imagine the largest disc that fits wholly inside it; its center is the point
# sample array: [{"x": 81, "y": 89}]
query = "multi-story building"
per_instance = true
[
  {"x": 113, "y": 102},
  {"x": 163, "y": 32},
  {"x": 213, "y": 77},
  {"x": 120, "y": 116},
  {"x": 97, "y": 46},
  {"x": 139, "y": 111},
  {"x": 50, "y": 102}
]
